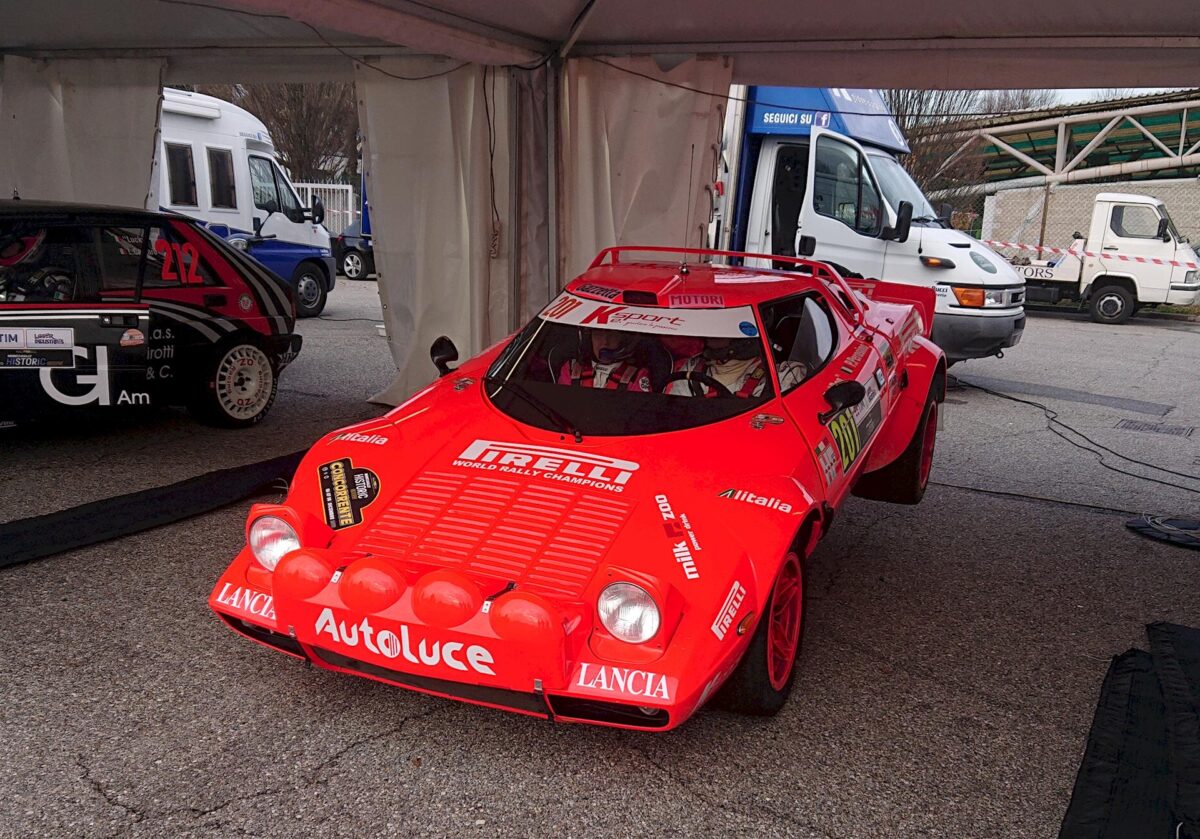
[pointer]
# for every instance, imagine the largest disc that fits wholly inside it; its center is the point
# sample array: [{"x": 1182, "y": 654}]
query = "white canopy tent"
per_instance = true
[{"x": 549, "y": 129}]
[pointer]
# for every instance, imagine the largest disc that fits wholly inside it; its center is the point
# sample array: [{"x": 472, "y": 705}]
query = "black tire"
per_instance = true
[
  {"x": 1111, "y": 304},
  {"x": 355, "y": 265},
  {"x": 311, "y": 289},
  {"x": 904, "y": 480},
  {"x": 240, "y": 372},
  {"x": 749, "y": 689}
]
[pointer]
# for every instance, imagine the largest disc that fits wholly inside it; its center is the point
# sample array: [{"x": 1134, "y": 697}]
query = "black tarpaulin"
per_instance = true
[{"x": 1140, "y": 775}]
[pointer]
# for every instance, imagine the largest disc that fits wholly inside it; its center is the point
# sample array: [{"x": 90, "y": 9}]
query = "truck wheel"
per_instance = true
[
  {"x": 763, "y": 679},
  {"x": 903, "y": 481},
  {"x": 309, "y": 282},
  {"x": 238, "y": 388},
  {"x": 1111, "y": 304}
]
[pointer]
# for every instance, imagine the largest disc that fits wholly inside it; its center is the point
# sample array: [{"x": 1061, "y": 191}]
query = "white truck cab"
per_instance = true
[
  {"x": 1132, "y": 256},
  {"x": 216, "y": 163},
  {"x": 818, "y": 192}
]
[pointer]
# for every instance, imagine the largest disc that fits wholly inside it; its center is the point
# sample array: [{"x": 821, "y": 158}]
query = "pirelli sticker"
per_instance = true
[
  {"x": 853, "y": 429},
  {"x": 345, "y": 491}
]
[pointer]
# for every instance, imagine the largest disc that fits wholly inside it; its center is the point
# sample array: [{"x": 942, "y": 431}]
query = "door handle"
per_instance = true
[
  {"x": 119, "y": 320},
  {"x": 1110, "y": 248}
]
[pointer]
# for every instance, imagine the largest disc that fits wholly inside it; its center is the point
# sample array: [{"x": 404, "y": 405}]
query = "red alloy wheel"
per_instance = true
[
  {"x": 928, "y": 443},
  {"x": 783, "y": 631}
]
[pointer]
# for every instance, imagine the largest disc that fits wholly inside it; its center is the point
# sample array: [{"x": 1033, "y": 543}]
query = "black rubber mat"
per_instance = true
[
  {"x": 25, "y": 540},
  {"x": 1140, "y": 775}
]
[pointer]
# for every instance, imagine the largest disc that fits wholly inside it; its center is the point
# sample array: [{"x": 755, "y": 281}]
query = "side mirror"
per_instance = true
[
  {"x": 899, "y": 233},
  {"x": 318, "y": 210},
  {"x": 806, "y": 246},
  {"x": 1163, "y": 233},
  {"x": 1076, "y": 235},
  {"x": 257, "y": 223},
  {"x": 443, "y": 352},
  {"x": 841, "y": 396},
  {"x": 946, "y": 213}
]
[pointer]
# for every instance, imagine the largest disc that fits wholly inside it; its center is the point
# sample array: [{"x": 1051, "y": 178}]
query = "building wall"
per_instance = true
[{"x": 1015, "y": 215}]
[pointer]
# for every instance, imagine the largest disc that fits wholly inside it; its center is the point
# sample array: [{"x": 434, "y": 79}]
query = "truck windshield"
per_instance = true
[
  {"x": 898, "y": 186},
  {"x": 596, "y": 368}
]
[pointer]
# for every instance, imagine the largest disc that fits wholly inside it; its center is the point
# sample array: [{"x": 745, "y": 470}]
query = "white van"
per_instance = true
[
  {"x": 216, "y": 163},
  {"x": 808, "y": 190}
]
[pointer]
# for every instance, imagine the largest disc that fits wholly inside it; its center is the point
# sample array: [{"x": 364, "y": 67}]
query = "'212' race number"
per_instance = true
[{"x": 180, "y": 262}]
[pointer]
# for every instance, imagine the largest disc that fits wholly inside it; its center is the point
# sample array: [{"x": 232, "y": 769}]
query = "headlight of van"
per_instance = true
[{"x": 982, "y": 298}]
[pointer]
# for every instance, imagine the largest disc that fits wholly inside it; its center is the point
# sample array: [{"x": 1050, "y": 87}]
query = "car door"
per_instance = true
[
  {"x": 72, "y": 325},
  {"x": 816, "y": 344},
  {"x": 1132, "y": 231},
  {"x": 843, "y": 209}
]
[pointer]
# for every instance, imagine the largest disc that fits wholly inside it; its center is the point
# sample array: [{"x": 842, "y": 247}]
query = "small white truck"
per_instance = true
[{"x": 1132, "y": 257}]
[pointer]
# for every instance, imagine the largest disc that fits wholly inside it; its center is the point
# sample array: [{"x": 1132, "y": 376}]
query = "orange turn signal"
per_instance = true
[{"x": 969, "y": 296}]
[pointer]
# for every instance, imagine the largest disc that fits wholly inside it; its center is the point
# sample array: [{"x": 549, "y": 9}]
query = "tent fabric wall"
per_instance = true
[
  {"x": 630, "y": 146},
  {"x": 79, "y": 129},
  {"x": 442, "y": 260}
]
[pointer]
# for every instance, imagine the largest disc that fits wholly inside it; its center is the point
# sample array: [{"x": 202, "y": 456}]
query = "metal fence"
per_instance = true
[
  {"x": 341, "y": 204},
  {"x": 1015, "y": 215}
]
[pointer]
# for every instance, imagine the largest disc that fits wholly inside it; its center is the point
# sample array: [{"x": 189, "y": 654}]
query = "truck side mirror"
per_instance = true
[
  {"x": 841, "y": 396},
  {"x": 946, "y": 213},
  {"x": 1163, "y": 233},
  {"x": 318, "y": 210},
  {"x": 806, "y": 246},
  {"x": 1076, "y": 235},
  {"x": 257, "y": 224},
  {"x": 443, "y": 352},
  {"x": 899, "y": 233}
]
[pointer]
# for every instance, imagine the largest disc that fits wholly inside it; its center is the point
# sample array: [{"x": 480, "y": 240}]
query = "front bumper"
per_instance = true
[
  {"x": 976, "y": 336},
  {"x": 1183, "y": 294},
  {"x": 553, "y": 675}
]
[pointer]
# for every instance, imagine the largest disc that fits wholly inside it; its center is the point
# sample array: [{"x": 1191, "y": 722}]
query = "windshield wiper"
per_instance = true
[{"x": 545, "y": 410}]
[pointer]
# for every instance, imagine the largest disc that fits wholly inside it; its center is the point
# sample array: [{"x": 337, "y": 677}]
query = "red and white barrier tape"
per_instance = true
[{"x": 1147, "y": 260}]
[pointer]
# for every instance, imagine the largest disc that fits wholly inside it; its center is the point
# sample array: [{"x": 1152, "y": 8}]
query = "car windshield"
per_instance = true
[
  {"x": 898, "y": 185},
  {"x": 598, "y": 368}
]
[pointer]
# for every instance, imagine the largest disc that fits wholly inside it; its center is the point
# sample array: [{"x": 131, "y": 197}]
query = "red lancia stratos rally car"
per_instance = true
[
  {"x": 116, "y": 308},
  {"x": 604, "y": 518}
]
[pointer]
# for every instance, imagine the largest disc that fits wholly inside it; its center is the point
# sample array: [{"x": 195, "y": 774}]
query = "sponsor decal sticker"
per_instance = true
[
  {"x": 748, "y": 329},
  {"x": 689, "y": 320},
  {"x": 345, "y": 491},
  {"x": 828, "y": 458},
  {"x": 133, "y": 338},
  {"x": 853, "y": 429},
  {"x": 879, "y": 379},
  {"x": 248, "y": 601},
  {"x": 245, "y": 303},
  {"x": 683, "y": 538},
  {"x": 849, "y": 365},
  {"x": 622, "y": 680},
  {"x": 770, "y": 502},
  {"x": 696, "y": 301},
  {"x": 355, "y": 437},
  {"x": 729, "y": 610},
  {"x": 26, "y": 348},
  {"x": 573, "y": 467},
  {"x": 888, "y": 357},
  {"x": 406, "y": 642},
  {"x": 761, "y": 421},
  {"x": 596, "y": 290},
  {"x": 49, "y": 338}
]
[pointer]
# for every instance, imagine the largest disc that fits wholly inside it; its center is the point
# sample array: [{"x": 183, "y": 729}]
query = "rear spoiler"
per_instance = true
[{"x": 921, "y": 298}]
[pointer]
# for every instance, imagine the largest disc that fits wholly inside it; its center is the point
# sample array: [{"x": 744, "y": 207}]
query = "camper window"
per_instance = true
[
  {"x": 221, "y": 185},
  {"x": 181, "y": 175}
]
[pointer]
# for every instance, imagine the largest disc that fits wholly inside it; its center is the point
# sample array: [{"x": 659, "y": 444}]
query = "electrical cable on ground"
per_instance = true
[{"x": 1057, "y": 427}]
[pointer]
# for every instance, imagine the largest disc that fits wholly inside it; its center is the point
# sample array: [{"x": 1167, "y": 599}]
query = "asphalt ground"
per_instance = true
[{"x": 953, "y": 655}]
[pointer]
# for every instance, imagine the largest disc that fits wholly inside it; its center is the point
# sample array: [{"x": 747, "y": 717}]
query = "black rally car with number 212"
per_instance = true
[{"x": 105, "y": 307}]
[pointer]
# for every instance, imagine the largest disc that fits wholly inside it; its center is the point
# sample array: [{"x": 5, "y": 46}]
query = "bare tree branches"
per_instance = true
[{"x": 314, "y": 126}]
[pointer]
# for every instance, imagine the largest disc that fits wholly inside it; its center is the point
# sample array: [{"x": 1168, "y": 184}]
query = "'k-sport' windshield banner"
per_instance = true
[{"x": 737, "y": 322}]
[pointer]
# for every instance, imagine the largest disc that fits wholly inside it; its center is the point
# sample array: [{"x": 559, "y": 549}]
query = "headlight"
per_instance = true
[
  {"x": 240, "y": 244},
  {"x": 270, "y": 539},
  {"x": 1191, "y": 277},
  {"x": 979, "y": 298},
  {"x": 628, "y": 612}
]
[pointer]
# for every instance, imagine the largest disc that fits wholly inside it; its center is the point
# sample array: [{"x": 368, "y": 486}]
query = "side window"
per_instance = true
[
  {"x": 221, "y": 185},
  {"x": 47, "y": 263},
  {"x": 173, "y": 261},
  {"x": 120, "y": 257},
  {"x": 802, "y": 336},
  {"x": 262, "y": 181},
  {"x": 1134, "y": 221},
  {"x": 843, "y": 188},
  {"x": 289, "y": 203},
  {"x": 181, "y": 175}
]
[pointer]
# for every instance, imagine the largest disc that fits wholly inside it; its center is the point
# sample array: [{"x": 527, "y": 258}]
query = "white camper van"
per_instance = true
[
  {"x": 216, "y": 163},
  {"x": 815, "y": 173}
]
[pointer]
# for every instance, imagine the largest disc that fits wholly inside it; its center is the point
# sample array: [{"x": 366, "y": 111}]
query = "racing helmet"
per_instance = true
[{"x": 618, "y": 345}]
